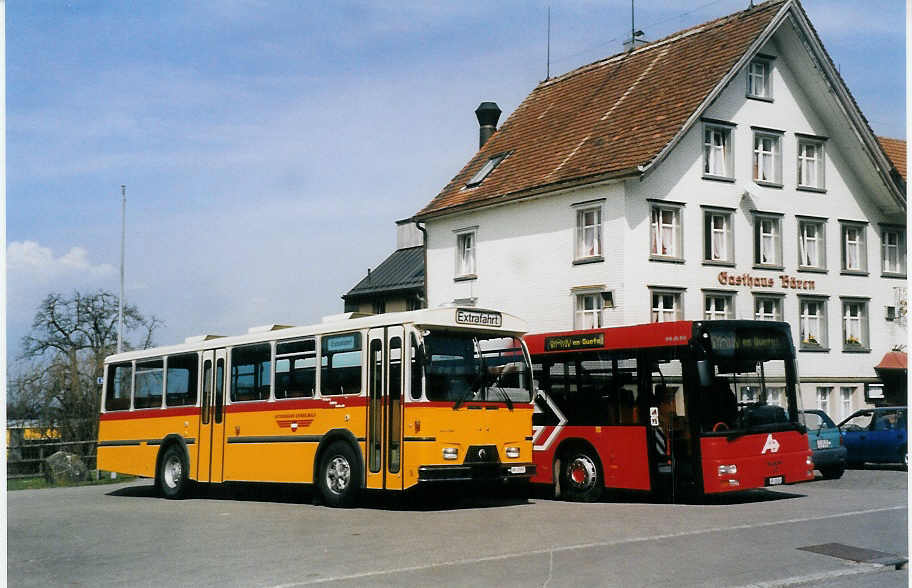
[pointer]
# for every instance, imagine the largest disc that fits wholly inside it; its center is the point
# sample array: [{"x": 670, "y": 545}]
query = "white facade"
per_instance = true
[{"x": 527, "y": 257}]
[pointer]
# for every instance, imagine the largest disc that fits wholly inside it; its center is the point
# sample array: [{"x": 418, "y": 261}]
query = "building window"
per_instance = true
[
  {"x": 666, "y": 306},
  {"x": 589, "y": 232},
  {"x": 810, "y": 164},
  {"x": 845, "y": 401},
  {"x": 812, "y": 244},
  {"x": 758, "y": 79},
  {"x": 588, "y": 311},
  {"x": 485, "y": 170},
  {"x": 768, "y": 240},
  {"x": 813, "y": 323},
  {"x": 717, "y": 152},
  {"x": 823, "y": 398},
  {"x": 718, "y": 242},
  {"x": 854, "y": 252},
  {"x": 378, "y": 306},
  {"x": 665, "y": 232},
  {"x": 855, "y": 325},
  {"x": 767, "y": 158},
  {"x": 465, "y": 254},
  {"x": 893, "y": 251},
  {"x": 768, "y": 308},
  {"x": 718, "y": 306}
]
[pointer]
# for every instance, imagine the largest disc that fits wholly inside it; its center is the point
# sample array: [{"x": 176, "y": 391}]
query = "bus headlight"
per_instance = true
[
  {"x": 728, "y": 469},
  {"x": 450, "y": 453},
  {"x": 512, "y": 452}
]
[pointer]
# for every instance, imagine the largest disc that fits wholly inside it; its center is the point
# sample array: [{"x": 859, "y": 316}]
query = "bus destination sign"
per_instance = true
[
  {"x": 571, "y": 342},
  {"x": 749, "y": 343},
  {"x": 478, "y": 318}
]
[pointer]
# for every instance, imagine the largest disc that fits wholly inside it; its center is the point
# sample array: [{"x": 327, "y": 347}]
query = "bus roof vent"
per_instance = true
[
  {"x": 267, "y": 328},
  {"x": 332, "y": 318},
  {"x": 201, "y": 338}
]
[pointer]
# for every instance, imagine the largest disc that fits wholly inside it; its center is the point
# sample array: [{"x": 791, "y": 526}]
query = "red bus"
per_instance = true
[{"x": 675, "y": 408}]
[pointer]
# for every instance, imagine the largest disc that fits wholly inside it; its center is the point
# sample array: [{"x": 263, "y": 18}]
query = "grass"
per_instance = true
[{"x": 40, "y": 482}]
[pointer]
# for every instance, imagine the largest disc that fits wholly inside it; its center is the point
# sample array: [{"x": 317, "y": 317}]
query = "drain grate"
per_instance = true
[{"x": 857, "y": 554}]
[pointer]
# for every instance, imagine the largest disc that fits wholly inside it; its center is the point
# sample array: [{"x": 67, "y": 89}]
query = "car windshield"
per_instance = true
[
  {"x": 473, "y": 367},
  {"x": 749, "y": 396}
]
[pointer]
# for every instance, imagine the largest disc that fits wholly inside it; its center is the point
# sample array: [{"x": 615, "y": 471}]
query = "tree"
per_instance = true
[{"x": 68, "y": 342}]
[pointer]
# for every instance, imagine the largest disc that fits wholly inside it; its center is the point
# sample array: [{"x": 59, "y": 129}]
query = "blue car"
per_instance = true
[
  {"x": 827, "y": 450},
  {"x": 876, "y": 435}
]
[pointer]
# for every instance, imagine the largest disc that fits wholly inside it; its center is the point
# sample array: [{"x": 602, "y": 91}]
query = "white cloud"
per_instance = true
[{"x": 29, "y": 257}]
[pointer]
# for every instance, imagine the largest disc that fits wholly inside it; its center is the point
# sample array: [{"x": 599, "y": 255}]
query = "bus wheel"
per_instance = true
[
  {"x": 171, "y": 478},
  {"x": 581, "y": 479},
  {"x": 339, "y": 476}
]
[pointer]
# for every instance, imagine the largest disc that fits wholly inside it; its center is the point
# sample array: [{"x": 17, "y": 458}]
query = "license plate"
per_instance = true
[
  {"x": 823, "y": 443},
  {"x": 517, "y": 469},
  {"x": 775, "y": 481}
]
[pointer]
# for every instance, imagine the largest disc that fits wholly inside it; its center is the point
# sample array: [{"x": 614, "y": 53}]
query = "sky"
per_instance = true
[{"x": 267, "y": 148}]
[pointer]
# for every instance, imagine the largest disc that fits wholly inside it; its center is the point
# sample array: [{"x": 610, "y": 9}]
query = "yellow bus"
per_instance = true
[{"x": 381, "y": 402}]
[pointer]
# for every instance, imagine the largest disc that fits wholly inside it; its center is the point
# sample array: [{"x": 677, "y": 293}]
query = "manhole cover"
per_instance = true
[{"x": 858, "y": 554}]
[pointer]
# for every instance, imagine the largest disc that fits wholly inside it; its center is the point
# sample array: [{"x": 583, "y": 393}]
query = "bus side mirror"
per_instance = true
[{"x": 704, "y": 372}]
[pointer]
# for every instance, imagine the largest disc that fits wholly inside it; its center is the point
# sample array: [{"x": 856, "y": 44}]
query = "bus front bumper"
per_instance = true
[{"x": 475, "y": 472}]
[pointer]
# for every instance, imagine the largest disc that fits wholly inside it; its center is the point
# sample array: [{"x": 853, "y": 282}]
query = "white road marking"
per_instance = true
[{"x": 582, "y": 546}]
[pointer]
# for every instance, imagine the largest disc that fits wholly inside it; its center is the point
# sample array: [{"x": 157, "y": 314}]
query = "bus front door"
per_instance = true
[
  {"x": 384, "y": 408},
  {"x": 211, "y": 441}
]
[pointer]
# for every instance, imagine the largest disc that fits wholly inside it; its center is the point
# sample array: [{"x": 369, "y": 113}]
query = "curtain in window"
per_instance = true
[
  {"x": 809, "y": 245},
  {"x": 769, "y": 236},
  {"x": 719, "y": 237},
  {"x": 853, "y": 317},
  {"x": 810, "y": 323},
  {"x": 851, "y": 248}
]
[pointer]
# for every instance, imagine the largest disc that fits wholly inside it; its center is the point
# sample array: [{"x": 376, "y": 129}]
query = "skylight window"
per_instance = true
[{"x": 486, "y": 169}]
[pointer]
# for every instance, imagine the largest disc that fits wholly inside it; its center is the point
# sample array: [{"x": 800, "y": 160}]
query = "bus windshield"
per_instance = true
[
  {"x": 748, "y": 396},
  {"x": 475, "y": 367}
]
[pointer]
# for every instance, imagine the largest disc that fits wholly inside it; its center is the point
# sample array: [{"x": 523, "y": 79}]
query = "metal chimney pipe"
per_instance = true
[{"x": 487, "y": 114}]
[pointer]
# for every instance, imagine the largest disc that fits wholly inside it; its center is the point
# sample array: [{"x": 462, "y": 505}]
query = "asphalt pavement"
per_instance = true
[{"x": 275, "y": 536}]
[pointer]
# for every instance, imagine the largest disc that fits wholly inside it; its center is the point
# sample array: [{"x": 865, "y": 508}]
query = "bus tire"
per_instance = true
[
  {"x": 339, "y": 476},
  {"x": 581, "y": 476},
  {"x": 172, "y": 476}
]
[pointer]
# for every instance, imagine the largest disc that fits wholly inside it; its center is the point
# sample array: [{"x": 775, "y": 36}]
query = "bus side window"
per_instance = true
[
  {"x": 628, "y": 391},
  {"x": 295, "y": 369},
  {"x": 120, "y": 385},
  {"x": 181, "y": 380},
  {"x": 341, "y": 369},
  {"x": 250, "y": 368},
  {"x": 149, "y": 383}
]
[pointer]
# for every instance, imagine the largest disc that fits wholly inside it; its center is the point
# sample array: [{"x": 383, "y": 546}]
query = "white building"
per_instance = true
[{"x": 723, "y": 172}]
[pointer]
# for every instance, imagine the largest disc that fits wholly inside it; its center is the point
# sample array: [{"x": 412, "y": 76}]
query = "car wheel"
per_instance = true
[
  {"x": 581, "y": 476},
  {"x": 339, "y": 475},
  {"x": 171, "y": 478},
  {"x": 832, "y": 473}
]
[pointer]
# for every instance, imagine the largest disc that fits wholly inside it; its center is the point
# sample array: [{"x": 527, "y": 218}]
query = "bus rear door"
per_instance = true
[
  {"x": 384, "y": 408},
  {"x": 212, "y": 417}
]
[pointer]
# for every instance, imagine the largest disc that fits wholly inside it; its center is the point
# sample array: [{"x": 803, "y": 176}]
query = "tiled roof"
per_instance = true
[
  {"x": 403, "y": 270},
  {"x": 896, "y": 151},
  {"x": 607, "y": 118}
]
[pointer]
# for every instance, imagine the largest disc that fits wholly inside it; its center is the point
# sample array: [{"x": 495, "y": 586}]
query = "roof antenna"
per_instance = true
[
  {"x": 548, "y": 69},
  {"x": 631, "y": 43}
]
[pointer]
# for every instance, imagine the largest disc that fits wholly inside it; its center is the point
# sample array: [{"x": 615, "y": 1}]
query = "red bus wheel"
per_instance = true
[{"x": 581, "y": 476}]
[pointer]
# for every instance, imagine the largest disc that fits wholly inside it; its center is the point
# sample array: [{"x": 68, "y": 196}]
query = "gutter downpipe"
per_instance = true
[{"x": 424, "y": 244}]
